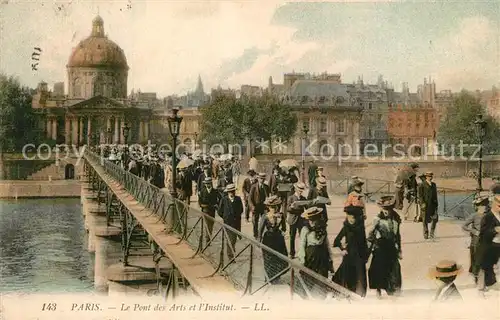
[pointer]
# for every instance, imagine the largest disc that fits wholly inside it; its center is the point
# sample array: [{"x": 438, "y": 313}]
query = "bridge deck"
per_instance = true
[{"x": 193, "y": 269}]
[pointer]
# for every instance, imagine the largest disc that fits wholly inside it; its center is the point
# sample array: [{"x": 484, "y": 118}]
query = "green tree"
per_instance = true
[
  {"x": 229, "y": 120},
  {"x": 16, "y": 115},
  {"x": 458, "y": 124}
]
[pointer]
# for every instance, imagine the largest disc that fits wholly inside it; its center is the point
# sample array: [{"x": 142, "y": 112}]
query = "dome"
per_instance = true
[{"x": 97, "y": 50}]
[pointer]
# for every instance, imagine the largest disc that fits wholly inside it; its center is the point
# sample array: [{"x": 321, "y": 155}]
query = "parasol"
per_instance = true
[
  {"x": 288, "y": 163},
  {"x": 184, "y": 163},
  {"x": 253, "y": 164}
]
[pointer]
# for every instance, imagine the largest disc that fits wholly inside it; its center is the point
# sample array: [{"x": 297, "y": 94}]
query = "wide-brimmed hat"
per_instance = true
[
  {"x": 272, "y": 201},
  {"x": 321, "y": 181},
  {"x": 429, "y": 174},
  {"x": 354, "y": 178},
  {"x": 481, "y": 201},
  {"x": 251, "y": 172},
  {"x": 444, "y": 269},
  {"x": 230, "y": 187},
  {"x": 312, "y": 213},
  {"x": 386, "y": 201},
  {"x": 207, "y": 180},
  {"x": 262, "y": 175},
  {"x": 357, "y": 182},
  {"x": 299, "y": 186},
  {"x": 414, "y": 165},
  {"x": 206, "y": 166},
  {"x": 320, "y": 169}
]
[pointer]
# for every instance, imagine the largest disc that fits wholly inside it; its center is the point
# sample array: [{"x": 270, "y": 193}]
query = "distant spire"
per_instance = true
[
  {"x": 98, "y": 27},
  {"x": 199, "y": 86}
]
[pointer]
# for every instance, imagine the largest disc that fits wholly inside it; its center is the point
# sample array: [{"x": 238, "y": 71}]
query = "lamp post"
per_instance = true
[
  {"x": 305, "y": 130},
  {"x": 174, "y": 124},
  {"x": 481, "y": 133},
  {"x": 126, "y": 130},
  {"x": 195, "y": 140}
]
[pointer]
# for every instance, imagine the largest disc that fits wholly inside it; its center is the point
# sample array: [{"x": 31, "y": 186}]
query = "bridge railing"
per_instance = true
[
  {"x": 251, "y": 266},
  {"x": 454, "y": 203}
]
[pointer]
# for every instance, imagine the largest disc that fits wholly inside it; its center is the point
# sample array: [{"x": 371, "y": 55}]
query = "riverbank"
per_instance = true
[{"x": 19, "y": 189}]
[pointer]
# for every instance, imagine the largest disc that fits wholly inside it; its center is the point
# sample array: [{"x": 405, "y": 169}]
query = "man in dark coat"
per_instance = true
[
  {"x": 311, "y": 173},
  {"x": 294, "y": 219},
  {"x": 247, "y": 184},
  {"x": 406, "y": 180},
  {"x": 185, "y": 185},
  {"x": 489, "y": 244},
  {"x": 428, "y": 200},
  {"x": 320, "y": 191},
  {"x": 201, "y": 178},
  {"x": 157, "y": 175},
  {"x": 231, "y": 209},
  {"x": 209, "y": 200},
  {"x": 256, "y": 198}
]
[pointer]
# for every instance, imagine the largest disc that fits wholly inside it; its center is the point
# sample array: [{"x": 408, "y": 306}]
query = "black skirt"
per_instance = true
[
  {"x": 273, "y": 265},
  {"x": 318, "y": 259},
  {"x": 351, "y": 275}
]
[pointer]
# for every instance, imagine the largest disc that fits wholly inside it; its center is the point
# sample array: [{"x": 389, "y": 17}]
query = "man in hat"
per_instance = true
[
  {"x": 231, "y": 209},
  {"x": 311, "y": 173},
  {"x": 406, "y": 180},
  {"x": 203, "y": 176},
  {"x": 247, "y": 185},
  {"x": 489, "y": 244},
  {"x": 472, "y": 225},
  {"x": 350, "y": 188},
  {"x": 256, "y": 198},
  {"x": 445, "y": 272},
  {"x": 185, "y": 185},
  {"x": 320, "y": 191},
  {"x": 294, "y": 219},
  {"x": 209, "y": 200},
  {"x": 428, "y": 201}
]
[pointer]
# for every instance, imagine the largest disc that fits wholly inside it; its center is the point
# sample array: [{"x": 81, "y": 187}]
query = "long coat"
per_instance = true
[
  {"x": 231, "y": 211},
  {"x": 487, "y": 250},
  {"x": 385, "y": 240},
  {"x": 256, "y": 198},
  {"x": 209, "y": 201},
  {"x": 427, "y": 194},
  {"x": 351, "y": 273}
]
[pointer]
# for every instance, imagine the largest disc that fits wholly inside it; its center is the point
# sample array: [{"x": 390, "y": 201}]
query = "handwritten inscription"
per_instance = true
[{"x": 35, "y": 56}]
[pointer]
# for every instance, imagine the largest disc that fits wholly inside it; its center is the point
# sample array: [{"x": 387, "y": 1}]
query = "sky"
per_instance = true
[{"x": 231, "y": 43}]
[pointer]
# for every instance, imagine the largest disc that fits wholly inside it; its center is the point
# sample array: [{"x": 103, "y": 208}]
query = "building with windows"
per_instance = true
[{"x": 96, "y": 107}]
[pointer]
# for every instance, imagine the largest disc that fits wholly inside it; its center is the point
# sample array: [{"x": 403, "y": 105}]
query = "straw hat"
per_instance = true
[
  {"x": 386, "y": 201},
  {"x": 299, "y": 186},
  {"x": 321, "y": 181},
  {"x": 262, "y": 175},
  {"x": 312, "y": 213},
  {"x": 251, "y": 172},
  {"x": 444, "y": 269},
  {"x": 429, "y": 174},
  {"x": 272, "y": 201},
  {"x": 481, "y": 201},
  {"x": 230, "y": 187},
  {"x": 357, "y": 182}
]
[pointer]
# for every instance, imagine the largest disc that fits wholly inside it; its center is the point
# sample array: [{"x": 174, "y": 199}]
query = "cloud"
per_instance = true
[{"x": 468, "y": 57}]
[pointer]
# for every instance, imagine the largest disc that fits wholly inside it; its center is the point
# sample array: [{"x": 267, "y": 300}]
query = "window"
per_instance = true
[
  {"x": 321, "y": 99},
  {"x": 77, "y": 88},
  {"x": 370, "y": 105},
  {"x": 305, "y": 123},
  {"x": 340, "y": 126},
  {"x": 379, "y": 118},
  {"x": 323, "y": 128}
]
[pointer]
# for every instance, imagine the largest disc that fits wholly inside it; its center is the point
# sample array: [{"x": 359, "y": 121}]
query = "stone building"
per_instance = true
[
  {"x": 95, "y": 108},
  {"x": 327, "y": 107}
]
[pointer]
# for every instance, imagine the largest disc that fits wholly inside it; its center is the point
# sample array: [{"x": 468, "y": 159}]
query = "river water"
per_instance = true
[{"x": 43, "y": 247}]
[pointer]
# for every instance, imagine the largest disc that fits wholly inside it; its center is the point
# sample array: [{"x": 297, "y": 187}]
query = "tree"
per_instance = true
[
  {"x": 458, "y": 125},
  {"x": 229, "y": 120},
  {"x": 16, "y": 115}
]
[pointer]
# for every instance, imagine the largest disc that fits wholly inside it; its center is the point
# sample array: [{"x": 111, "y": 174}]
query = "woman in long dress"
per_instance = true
[
  {"x": 271, "y": 236},
  {"x": 385, "y": 241},
  {"x": 314, "y": 250},
  {"x": 351, "y": 239}
]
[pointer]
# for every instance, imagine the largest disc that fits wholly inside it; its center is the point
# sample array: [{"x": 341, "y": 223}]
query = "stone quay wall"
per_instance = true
[{"x": 14, "y": 189}]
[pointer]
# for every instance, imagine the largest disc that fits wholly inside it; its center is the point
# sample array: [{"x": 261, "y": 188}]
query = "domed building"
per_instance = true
[{"x": 95, "y": 109}]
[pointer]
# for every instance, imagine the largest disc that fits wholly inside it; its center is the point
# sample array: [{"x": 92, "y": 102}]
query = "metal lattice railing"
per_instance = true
[
  {"x": 453, "y": 203},
  {"x": 251, "y": 266}
]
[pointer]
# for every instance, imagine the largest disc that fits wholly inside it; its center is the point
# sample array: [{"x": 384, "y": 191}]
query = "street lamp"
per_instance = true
[
  {"x": 481, "y": 134},
  {"x": 126, "y": 130},
  {"x": 305, "y": 130},
  {"x": 174, "y": 124}
]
